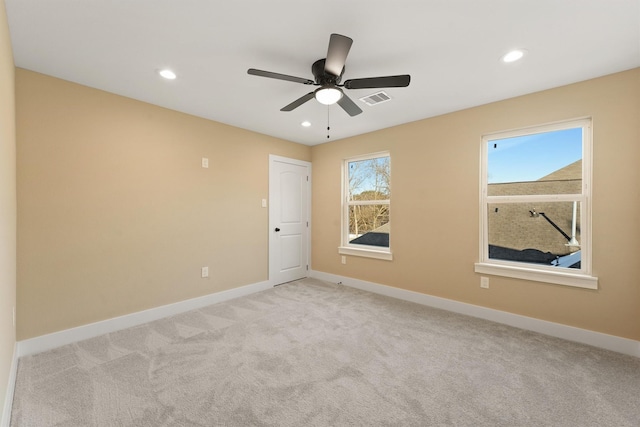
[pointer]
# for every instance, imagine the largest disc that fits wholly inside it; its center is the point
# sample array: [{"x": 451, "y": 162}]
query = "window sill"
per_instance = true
[
  {"x": 367, "y": 253},
  {"x": 555, "y": 277}
]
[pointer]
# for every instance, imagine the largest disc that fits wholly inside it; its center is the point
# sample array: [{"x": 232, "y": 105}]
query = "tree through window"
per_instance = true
[{"x": 367, "y": 202}]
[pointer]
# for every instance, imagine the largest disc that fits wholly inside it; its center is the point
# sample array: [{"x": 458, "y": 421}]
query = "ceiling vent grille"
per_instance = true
[{"x": 376, "y": 98}]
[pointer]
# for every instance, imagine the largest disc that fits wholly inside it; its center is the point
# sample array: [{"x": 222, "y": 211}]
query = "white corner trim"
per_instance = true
[
  {"x": 68, "y": 336},
  {"x": 569, "y": 333},
  {"x": 11, "y": 386}
]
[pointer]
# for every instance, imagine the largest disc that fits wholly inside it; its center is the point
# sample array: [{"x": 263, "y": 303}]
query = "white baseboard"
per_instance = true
[
  {"x": 11, "y": 386},
  {"x": 570, "y": 333},
  {"x": 584, "y": 336},
  {"x": 68, "y": 336}
]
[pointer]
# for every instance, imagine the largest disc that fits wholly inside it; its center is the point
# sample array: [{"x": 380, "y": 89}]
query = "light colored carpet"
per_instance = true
[{"x": 311, "y": 353}]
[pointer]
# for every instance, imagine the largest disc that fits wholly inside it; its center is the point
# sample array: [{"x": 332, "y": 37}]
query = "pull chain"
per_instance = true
[{"x": 328, "y": 127}]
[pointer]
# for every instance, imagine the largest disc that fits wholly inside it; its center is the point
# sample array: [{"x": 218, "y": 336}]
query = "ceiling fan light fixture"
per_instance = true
[{"x": 328, "y": 95}]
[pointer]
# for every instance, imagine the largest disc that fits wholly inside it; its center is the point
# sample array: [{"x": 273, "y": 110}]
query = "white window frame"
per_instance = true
[
  {"x": 582, "y": 278},
  {"x": 345, "y": 247}
]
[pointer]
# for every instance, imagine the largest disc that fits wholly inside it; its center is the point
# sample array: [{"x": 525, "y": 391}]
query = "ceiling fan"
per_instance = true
[{"x": 328, "y": 74}]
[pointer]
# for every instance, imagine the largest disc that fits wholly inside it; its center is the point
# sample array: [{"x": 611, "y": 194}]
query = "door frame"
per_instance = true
[{"x": 273, "y": 158}]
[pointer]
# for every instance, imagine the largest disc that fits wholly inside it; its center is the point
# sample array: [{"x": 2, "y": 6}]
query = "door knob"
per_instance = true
[{"x": 277, "y": 229}]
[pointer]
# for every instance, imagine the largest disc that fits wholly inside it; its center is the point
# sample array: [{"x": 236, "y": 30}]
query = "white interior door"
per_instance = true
[{"x": 289, "y": 202}]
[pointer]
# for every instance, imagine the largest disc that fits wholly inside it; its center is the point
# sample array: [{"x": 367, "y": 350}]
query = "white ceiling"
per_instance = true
[{"x": 451, "y": 48}]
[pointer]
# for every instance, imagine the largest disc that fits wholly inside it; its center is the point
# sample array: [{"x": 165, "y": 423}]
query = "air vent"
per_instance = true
[{"x": 376, "y": 98}]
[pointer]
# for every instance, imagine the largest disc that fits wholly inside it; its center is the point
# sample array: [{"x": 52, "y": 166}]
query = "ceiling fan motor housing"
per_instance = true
[{"x": 322, "y": 77}]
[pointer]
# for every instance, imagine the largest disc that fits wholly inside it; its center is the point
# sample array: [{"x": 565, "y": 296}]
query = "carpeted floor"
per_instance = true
[{"x": 309, "y": 353}]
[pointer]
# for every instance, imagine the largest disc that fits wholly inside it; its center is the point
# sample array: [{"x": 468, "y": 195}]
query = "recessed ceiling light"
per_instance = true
[
  {"x": 167, "y": 74},
  {"x": 306, "y": 123},
  {"x": 514, "y": 55}
]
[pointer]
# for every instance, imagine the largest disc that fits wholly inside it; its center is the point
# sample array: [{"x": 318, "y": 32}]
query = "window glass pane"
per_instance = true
[
  {"x": 369, "y": 225},
  {"x": 542, "y": 163},
  {"x": 369, "y": 179},
  {"x": 540, "y": 233}
]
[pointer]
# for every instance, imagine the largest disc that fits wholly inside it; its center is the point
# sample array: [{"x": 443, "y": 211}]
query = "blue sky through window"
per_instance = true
[
  {"x": 369, "y": 175},
  {"x": 530, "y": 157}
]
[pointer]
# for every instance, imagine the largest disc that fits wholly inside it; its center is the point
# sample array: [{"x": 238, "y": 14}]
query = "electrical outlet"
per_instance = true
[
  {"x": 205, "y": 272},
  {"x": 205, "y": 162},
  {"x": 344, "y": 259},
  {"x": 484, "y": 282}
]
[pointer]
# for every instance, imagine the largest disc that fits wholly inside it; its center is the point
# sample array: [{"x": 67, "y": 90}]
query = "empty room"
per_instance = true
[{"x": 294, "y": 213}]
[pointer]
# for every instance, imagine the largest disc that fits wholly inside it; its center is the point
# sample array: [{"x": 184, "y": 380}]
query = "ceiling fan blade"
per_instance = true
[
  {"x": 349, "y": 106},
  {"x": 378, "y": 82},
  {"x": 337, "y": 54},
  {"x": 279, "y": 76},
  {"x": 298, "y": 102}
]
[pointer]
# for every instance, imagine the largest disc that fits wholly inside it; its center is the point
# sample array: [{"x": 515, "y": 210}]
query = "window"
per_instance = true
[
  {"x": 536, "y": 204},
  {"x": 366, "y": 205}
]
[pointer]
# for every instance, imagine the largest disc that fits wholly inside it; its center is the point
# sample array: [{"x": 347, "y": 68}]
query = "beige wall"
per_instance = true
[
  {"x": 435, "y": 206},
  {"x": 116, "y": 214},
  {"x": 7, "y": 206}
]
